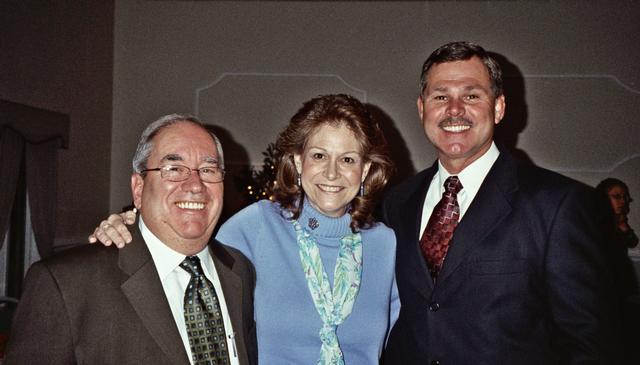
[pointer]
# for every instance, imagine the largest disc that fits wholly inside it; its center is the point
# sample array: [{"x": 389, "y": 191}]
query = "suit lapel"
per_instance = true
[
  {"x": 144, "y": 291},
  {"x": 410, "y": 223},
  {"x": 489, "y": 207},
  {"x": 232, "y": 287}
]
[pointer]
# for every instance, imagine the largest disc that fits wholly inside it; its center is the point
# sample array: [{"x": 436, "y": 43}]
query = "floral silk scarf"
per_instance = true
[{"x": 333, "y": 307}]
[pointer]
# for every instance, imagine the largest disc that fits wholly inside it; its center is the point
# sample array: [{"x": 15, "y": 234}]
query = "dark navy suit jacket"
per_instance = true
[{"x": 524, "y": 280}]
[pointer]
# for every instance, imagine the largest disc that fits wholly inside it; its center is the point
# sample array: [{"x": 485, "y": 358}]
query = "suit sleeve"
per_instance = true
[
  {"x": 41, "y": 330},
  {"x": 577, "y": 284}
]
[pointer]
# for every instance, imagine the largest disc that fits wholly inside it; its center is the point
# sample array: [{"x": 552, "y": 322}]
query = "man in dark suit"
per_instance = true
[
  {"x": 522, "y": 280},
  {"x": 101, "y": 305}
]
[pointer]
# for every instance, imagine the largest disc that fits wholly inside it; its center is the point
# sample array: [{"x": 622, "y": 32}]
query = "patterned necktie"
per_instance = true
[
  {"x": 443, "y": 221},
  {"x": 202, "y": 315}
]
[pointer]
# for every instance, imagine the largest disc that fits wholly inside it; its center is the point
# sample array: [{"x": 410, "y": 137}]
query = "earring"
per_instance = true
[
  {"x": 361, "y": 189},
  {"x": 299, "y": 181}
]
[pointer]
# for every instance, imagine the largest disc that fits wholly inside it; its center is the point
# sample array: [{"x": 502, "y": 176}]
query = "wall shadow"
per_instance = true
[
  {"x": 517, "y": 112},
  {"x": 398, "y": 150},
  {"x": 238, "y": 173}
]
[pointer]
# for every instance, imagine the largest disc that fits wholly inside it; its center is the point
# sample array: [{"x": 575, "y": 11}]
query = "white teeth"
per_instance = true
[
  {"x": 190, "y": 205},
  {"x": 330, "y": 189},
  {"x": 456, "y": 128}
]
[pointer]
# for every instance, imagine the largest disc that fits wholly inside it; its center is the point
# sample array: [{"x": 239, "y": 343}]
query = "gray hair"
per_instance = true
[{"x": 145, "y": 145}]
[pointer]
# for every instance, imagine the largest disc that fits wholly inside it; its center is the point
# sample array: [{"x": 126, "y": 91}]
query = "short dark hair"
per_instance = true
[
  {"x": 462, "y": 51},
  {"x": 336, "y": 110}
]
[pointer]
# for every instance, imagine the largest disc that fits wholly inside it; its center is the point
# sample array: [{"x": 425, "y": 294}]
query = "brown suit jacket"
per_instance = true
[{"x": 100, "y": 305}]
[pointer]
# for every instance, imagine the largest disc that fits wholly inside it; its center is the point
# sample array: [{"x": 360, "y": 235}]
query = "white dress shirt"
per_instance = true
[
  {"x": 471, "y": 178},
  {"x": 175, "y": 281}
]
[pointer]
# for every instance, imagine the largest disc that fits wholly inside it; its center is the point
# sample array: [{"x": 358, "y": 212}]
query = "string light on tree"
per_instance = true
[{"x": 264, "y": 180}]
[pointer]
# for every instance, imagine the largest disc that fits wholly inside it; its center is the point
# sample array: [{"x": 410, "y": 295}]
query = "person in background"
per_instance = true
[
  {"x": 614, "y": 199},
  {"x": 325, "y": 290},
  {"x": 619, "y": 198},
  {"x": 497, "y": 262},
  {"x": 174, "y": 296}
]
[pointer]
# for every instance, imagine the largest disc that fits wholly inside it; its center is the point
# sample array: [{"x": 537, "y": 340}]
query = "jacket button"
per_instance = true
[
  {"x": 434, "y": 306},
  {"x": 435, "y": 362}
]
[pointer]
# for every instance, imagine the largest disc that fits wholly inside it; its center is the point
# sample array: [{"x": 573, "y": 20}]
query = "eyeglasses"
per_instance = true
[{"x": 177, "y": 173}]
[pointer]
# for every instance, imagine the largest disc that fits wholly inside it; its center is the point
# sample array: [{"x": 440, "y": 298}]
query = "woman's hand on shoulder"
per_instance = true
[{"x": 114, "y": 230}]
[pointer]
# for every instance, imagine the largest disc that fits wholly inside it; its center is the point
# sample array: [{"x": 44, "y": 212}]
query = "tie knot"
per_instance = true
[
  {"x": 453, "y": 185},
  {"x": 191, "y": 264}
]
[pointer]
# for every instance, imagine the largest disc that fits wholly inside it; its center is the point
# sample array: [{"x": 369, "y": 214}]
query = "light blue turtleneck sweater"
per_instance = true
[{"x": 287, "y": 321}]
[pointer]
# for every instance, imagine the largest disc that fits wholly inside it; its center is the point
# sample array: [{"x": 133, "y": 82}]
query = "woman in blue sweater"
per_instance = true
[{"x": 325, "y": 290}]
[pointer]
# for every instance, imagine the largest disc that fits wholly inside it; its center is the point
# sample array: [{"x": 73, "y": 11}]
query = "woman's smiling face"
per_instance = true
[{"x": 331, "y": 168}]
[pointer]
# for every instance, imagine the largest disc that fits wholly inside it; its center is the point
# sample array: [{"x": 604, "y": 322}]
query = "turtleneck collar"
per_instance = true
[{"x": 321, "y": 225}]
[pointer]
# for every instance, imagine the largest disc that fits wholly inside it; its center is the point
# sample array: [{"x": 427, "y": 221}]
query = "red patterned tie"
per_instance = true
[{"x": 443, "y": 221}]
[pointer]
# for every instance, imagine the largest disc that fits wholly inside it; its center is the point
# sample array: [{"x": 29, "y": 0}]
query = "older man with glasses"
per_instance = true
[{"x": 180, "y": 298}]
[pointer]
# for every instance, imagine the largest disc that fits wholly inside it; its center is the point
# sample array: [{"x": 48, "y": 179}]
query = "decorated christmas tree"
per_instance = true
[{"x": 263, "y": 181}]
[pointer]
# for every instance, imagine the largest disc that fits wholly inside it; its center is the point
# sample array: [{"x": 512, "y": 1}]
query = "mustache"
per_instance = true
[{"x": 450, "y": 121}]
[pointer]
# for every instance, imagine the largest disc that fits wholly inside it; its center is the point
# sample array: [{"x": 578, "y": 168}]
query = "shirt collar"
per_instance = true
[
  {"x": 473, "y": 175},
  {"x": 166, "y": 259}
]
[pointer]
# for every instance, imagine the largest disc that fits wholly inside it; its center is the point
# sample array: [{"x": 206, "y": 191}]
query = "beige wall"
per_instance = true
[
  {"x": 248, "y": 66},
  {"x": 58, "y": 55}
]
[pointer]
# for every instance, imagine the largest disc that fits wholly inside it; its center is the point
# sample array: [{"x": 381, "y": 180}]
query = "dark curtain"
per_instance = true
[
  {"x": 42, "y": 178},
  {"x": 11, "y": 154}
]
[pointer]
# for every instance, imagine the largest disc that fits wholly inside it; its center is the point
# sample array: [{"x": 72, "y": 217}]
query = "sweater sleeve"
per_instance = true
[
  {"x": 394, "y": 300},
  {"x": 394, "y": 308},
  {"x": 242, "y": 229}
]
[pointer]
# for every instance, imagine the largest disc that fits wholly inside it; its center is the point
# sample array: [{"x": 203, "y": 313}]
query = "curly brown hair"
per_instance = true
[{"x": 335, "y": 110}]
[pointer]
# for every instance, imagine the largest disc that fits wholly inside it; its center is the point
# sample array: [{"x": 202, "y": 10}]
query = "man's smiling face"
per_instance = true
[
  {"x": 181, "y": 214},
  {"x": 459, "y": 111}
]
